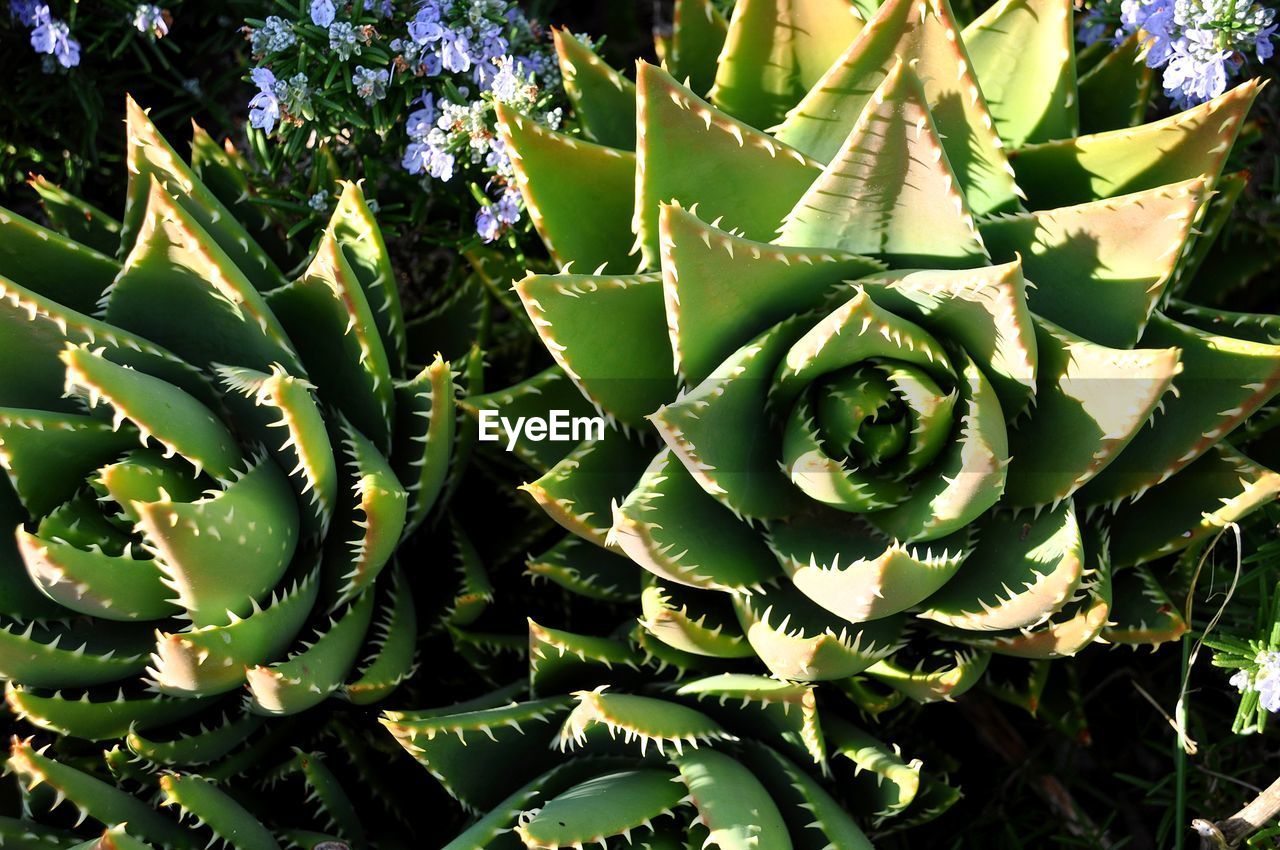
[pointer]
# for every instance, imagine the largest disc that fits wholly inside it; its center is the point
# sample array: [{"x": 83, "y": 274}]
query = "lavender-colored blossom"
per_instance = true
[
  {"x": 323, "y": 12},
  {"x": 454, "y": 55},
  {"x": 264, "y": 108},
  {"x": 370, "y": 83},
  {"x": 53, "y": 37},
  {"x": 487, "y": 224},
  {"x": 343, "y": 40},
  {"x": 319, "y": 202},
  {"x": 275, "y": 36},
  {"x": 150, "y": 18},
  {"x": 421, "y": 120},
  {"x": 508, "y": 206},
  {"x": 1197, "y": 70},
  {"x": 431, "y": 65}
]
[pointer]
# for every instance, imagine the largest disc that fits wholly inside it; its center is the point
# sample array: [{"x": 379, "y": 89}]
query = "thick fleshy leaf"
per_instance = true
[
  {"x": 1022, "y": 570},
  {"x": 1212, "y": 221},
  {"x": 229, "y": 821},
  {"x": 60, "y": 655},
  {"x": 579, "y": 491},
  {"x": 150, "y": 158},
  {"x": 159, "y": 411},
  {"x": 983, "y": 309},
  {"x": 212, "y": 660},
  {"x": 1073, "y": 627},
  {"x": 587, "y": 570},
  {"x": 939, "y": 672},
  {"x": 600, "y": 808},
  {"x": 1090, "y": 404},
  {"x": 669, "y": 526},
  {"x": 309, "y": 676},
  {"x": 731, "y": 802},
  {"x": 193, "y": 542},
  {"x": 53, "y": 265},
  {"x": 1114, "y": 93},
  {"x": 560, "y": 661},
  {"x": 426, "y": 417},
  {"x": 557, "y": 174},
  {"x": 887, "y": 784},
  {"x": 1222, "y": 381},
  {"x": 782, "y": 713},
  {"x": 1100, "y": 268},
  {"x": 99, "y": 720},
  {"x": 841, "y": 564},
  {"x": 466, "y": 750},
  {"x": 890, "y": 191},
  {"x": 673, "y": 122},
  {"x": 225, "y": 172},
  {"x": 96, "y": 799},
  {"x": 76, "y": 218},
  {"x": 331, "y": 321},
  {"x": 207, "y": 745},
  {"x": 1181, "y": 147},
  {"x": 623, "y": 367},
  {"x": 366, "y": 533},
  {"x": 357, "y": 233},
  {"x": 36, "y": 329},
  {"x": 818, "y": 821},
  {"x": 648, "y": 720},
  {"x": 698, "y": 31},
  {"x": 721, "y": 430},
  {"x": 48, "y": 455},
  {"x": 923, "y": 32},
  {"x": 1222, "y": 486},
  {"x": 603, "y": 99},
  {"x": 181, "y": 289},
  {"x": 775, "y": 51},
  {"x": 91, "y": 581},
  {"x": 294, "y": 431},
  {"x": 1023, "y": 53},
  {"x": 1142, "y": 614},
  {"x": 698, "y": 622},
  {"x": 797, "y": 639},
  {"x": 392, "y": 647},
  {"x": 721, "y": 289}
]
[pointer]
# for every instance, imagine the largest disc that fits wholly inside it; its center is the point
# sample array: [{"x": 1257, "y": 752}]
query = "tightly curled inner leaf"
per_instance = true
[
  {"x": 214, "y": 463},
  {"x": 900, "y": 378}
]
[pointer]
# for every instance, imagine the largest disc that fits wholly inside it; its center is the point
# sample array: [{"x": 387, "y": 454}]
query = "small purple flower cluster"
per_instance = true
[
  {"x": 440, "y": 66},
  {"x": 485, "y": 44},
  {"x": 49, "y": 35},
  {"x": 1200, "y": 44},
  {"x": 150, "y": 19}
]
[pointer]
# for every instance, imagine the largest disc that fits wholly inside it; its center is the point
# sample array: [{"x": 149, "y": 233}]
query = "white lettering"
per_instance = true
[{"x": 557, "y": 427}]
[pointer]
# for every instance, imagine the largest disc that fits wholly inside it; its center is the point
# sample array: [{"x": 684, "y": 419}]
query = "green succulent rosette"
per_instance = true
[
  {"x": 895, "y": 354},
  {"x": 209, "y": 465}
]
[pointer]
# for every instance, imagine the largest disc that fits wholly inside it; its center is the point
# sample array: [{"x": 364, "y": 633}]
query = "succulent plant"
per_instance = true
[
  {"x": 899, "y": 380},
  {"x": 917, "y": 349},
  {"x": 209, "y": 470}
]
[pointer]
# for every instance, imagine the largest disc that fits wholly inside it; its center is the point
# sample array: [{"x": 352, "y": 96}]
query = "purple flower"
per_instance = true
[
  {"x": 264, "y": 108},
  {"x": 323, "y": 12},
  {"x": 370, "y": 84},
  {"x": 420, "y": 121},
  {"x": 1197, "y": 71},
  {"x": 149, "y": 18},
  {"x": 508, "y": 206},
  {"x": 453, "y": 55},
  {"x": 1262, "y": 43},
  {"x": 431, "y": 65},
  {"x": 54, "y": 37},
  {"x": 487, "y": 224}
]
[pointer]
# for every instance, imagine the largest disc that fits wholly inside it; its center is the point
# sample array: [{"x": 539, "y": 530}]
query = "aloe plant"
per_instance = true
[
  {"x": 915, "y": 353},
  {"x": 210, "y": 467},
  {"x": 899, "y": 378}
]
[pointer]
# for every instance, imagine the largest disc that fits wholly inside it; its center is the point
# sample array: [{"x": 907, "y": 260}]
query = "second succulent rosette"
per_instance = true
[{"x": 915, "y": 356}]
